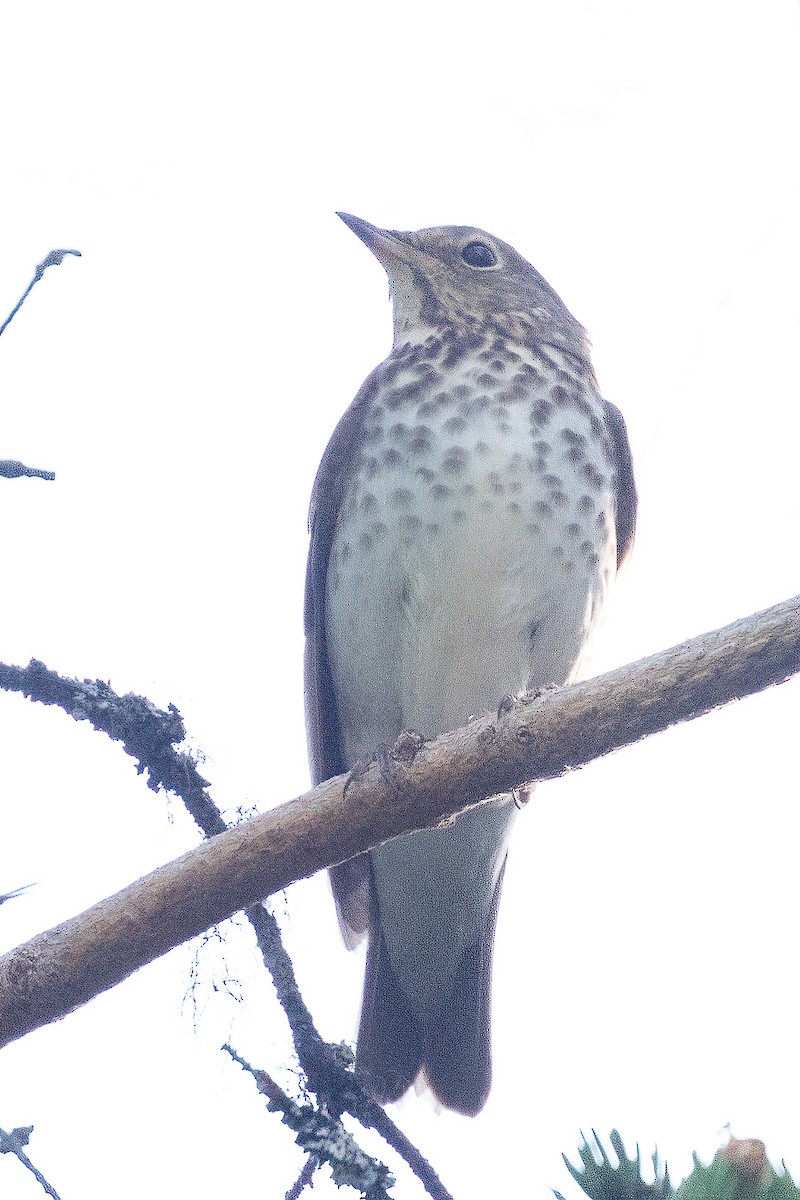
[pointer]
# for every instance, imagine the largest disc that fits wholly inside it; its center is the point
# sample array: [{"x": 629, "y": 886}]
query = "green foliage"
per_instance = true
[
  {"x": 739, "y": 1171},
  {"x": 602, "y": 1181},
  {"x": 749, "y": 1178}
]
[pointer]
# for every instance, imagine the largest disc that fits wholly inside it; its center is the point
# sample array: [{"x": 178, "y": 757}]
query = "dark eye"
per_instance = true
[{"x": 478, "y": 254}]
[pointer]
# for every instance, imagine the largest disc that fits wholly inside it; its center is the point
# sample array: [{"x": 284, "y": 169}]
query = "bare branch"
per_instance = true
[
  {"x": 10, "y": 468},
  {"x": 303, "y": 1179},
  {"x": 394, "y": 1137},
  {"x": 12, "y": 1143},
  {"x": 16, "y": 892},
  {"x": 324, "y": 1138},
  {"x": 326, "y": 1068},
  {"x": 147, "y": 733},
  {"x": 415, "y": 785},
  {"x": 53, "y": 259}
]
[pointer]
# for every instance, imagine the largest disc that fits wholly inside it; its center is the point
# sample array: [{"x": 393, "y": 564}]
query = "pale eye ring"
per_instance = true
[{"x": 478, "y": 254}]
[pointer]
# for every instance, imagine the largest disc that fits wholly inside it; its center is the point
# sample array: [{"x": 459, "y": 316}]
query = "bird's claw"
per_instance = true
[
  {"x": 506, "y": 705},
  {"x": 407, "y": 746},
  {"x": 405, "y": 749}
]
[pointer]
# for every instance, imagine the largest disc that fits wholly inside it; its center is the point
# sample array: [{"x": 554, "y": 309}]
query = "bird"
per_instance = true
[{"x": 468, "y": 518}]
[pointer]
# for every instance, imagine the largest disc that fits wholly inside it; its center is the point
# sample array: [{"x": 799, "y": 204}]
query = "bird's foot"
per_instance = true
[
  {"x": 506, "y": 705},
  {"x": 357, "y": 772},
  {"x": 407, "y": 746},
  {"x": 405, "y": 749}
]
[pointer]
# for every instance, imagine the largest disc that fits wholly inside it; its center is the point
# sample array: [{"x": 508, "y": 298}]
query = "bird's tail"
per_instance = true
[
  {"x": 450, "y": 1046},
  {"x": 390, "y": 1038}
]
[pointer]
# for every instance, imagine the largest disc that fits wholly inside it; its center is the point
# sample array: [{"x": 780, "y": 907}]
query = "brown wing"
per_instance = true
[
  {"x": 626, "y": 487},
  {"x": 350, "y": 880},
  {"x": 340, "y": 457}
]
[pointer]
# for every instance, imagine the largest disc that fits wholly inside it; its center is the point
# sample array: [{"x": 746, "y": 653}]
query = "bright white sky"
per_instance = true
[{"x": 182, "y": 379}]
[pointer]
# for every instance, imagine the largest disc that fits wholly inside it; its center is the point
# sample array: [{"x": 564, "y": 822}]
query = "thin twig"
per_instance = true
[
  {"x": 394, "y": 1137},
  {"x": 53, "y": 259},
  {"x": 149, "y": 734},
  {"x": 16, "y": 892},
  {"x": 10, "y": 468},
  {"x": 303, "y": 1179},
  {"x": 12, "y": 1143},
  {"x": 323, "y": 1136},
  {"x": 325, "y": 1066}
]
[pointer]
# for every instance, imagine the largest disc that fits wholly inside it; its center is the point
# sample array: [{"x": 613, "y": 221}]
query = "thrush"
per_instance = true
[{"x": 467, "y": 520}]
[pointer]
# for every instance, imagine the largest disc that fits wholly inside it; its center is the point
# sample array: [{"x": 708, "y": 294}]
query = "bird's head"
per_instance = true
[{"x": 459, "y": 276}]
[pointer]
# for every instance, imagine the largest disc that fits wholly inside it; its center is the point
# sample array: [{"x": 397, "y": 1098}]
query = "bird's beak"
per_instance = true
[{"x": 384, "y": 243}]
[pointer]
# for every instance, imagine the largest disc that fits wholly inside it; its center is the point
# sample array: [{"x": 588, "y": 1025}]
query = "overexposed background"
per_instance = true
[{"x": 182, "y": 379}]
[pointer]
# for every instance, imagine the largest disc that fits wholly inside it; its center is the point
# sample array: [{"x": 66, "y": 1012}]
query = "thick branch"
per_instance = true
[{"x": 417, "y": 784}]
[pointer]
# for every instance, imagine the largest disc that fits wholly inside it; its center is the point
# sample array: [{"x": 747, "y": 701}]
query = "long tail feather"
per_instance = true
[
  {"x": 451, "y": 1046},
  {"x": 389, "y": 1049}
]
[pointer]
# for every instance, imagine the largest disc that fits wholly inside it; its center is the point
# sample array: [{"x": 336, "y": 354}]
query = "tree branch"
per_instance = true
[
  {"x": 12, "y": 1143},
  {"x": 324, "y": 1138},
  {"x": 10, "y": 468},
  {"x": 53, "y": 259},
  {"x": 415, "y": 785},
  {"x": 152, "y": 736}
]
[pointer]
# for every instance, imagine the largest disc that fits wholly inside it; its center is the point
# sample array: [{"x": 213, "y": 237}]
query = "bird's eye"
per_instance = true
[{"x": 478, "y": 254}]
